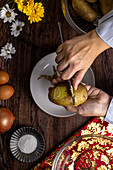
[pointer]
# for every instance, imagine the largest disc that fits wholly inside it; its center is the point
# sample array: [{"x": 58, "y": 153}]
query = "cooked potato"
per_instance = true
[
  {"x": 91, "y": 1},
  {"x": 60, "y": 95},
  {"x": 84, "y": 10},
  {"x": 105, "y": 6}
]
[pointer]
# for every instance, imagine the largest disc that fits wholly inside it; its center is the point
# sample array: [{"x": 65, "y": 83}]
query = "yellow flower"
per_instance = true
[
  {"x": 25, "y": 6},
  {"x": 37, "y": 13},
  {"x": 16, "y": 1}
]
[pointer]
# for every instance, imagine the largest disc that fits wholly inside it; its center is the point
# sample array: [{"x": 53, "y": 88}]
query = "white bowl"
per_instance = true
[{"x": 39, "y": 88}]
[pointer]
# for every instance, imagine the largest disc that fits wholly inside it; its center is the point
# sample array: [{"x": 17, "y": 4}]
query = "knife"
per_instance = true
[
  {"x": 72, "y": 90},
  {"x": 70, "y": 80}
]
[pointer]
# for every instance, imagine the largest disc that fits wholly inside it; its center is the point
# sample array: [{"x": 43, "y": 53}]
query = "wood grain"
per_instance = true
[{"x": 35, "y": 41}]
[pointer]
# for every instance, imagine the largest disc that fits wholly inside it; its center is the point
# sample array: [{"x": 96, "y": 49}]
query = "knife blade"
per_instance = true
[
  {"x": 70, "y": 80},
  {"x": 72, "y": 90}
]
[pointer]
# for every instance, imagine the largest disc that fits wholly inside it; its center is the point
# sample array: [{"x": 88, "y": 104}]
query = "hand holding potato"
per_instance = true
[
  {"x": 96, "y": 104},
  {"x": 75, "y": 56}
]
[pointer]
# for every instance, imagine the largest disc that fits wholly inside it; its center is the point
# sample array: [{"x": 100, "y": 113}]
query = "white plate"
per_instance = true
[{"x": 39, "y": 88}]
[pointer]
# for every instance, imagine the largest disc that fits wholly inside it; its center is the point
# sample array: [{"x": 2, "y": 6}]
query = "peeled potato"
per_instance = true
[{"x": 60, "y": 95}]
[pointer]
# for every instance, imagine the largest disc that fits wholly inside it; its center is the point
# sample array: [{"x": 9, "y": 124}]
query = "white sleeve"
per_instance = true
[
  {"x": 105, "y": 28},
  {"x": 109, "y": 116}
]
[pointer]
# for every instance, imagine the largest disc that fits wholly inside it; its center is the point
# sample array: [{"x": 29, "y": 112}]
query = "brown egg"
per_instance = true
[
  {"x": 4, "y": 77},
  {"x": 6, "y": 91}
]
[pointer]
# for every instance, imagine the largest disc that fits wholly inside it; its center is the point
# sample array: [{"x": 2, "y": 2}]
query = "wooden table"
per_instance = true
[{"x": 35, "y": 41}]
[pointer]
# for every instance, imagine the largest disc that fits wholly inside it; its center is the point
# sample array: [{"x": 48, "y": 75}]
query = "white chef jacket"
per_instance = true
[{"x": 105, "y": 31}]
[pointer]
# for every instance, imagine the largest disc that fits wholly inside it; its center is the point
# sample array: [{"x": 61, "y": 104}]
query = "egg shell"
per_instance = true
[
  {"x": 4, "y": 77},
  {"x": 6, "y": 91}
]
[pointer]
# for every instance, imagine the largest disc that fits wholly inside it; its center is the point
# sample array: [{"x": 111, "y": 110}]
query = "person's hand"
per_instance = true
[
  {"x": 75, "y": 56},
  {"x": 96, "y": 105}
]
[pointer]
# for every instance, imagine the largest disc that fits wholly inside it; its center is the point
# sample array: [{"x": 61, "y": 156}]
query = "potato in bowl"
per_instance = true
[{"x": 60, "y": 93}]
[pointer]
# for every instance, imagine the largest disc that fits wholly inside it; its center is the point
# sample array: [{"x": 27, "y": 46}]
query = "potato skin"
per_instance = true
[
  {"x": 91, "y": 1},
  {"x": 84, "y": 10},
  {"x": 60, "y": 95},
  {"x": 105, "y": 6}
]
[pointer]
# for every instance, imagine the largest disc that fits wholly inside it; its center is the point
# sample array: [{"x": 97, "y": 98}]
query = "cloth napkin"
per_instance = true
[{"x": 97, "y": 125}]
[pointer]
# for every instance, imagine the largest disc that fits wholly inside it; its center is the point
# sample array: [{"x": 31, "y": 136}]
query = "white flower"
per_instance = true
[
  {"x": 7, "y": 14},
  {"x": 7, "y": 50},
  {"x": 16, "y": 27}
]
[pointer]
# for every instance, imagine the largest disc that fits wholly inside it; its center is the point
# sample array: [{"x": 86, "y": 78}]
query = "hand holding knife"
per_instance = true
[{"x": 70, "y": 81}]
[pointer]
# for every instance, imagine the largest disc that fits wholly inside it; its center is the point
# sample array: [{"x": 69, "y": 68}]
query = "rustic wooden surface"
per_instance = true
[{"x": 34, "y": 42}]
